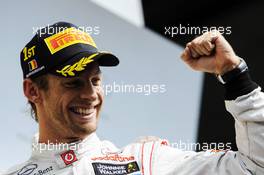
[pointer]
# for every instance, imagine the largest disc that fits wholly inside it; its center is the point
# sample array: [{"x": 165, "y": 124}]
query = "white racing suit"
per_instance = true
[{"x": 95, "y": 157}]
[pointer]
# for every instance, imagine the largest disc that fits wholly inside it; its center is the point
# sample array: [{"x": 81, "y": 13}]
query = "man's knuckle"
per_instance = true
[{"x": 193, "y": 43}]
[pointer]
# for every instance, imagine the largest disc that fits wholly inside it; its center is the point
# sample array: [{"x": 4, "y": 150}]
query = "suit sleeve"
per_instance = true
[{"x": 245, "y": 101}]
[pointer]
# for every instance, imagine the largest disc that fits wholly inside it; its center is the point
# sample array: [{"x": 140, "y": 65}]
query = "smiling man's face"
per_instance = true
[{"x": 70, "y": 107}]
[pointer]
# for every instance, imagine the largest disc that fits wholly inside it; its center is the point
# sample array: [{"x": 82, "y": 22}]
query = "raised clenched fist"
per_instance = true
[{"x": 211, "y": 53}]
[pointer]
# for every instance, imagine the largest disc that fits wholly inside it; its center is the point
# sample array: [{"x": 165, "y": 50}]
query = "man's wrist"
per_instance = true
[
  {"x": 237, "y": 81},
  {"x": 235, "y": 61},
  {"x": 239, "y": 68}
]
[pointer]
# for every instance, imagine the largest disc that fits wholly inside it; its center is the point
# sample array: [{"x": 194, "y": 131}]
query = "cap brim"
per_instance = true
[
  {"x": 106, "y": 59},
  {"x": 75, "y": 65}
]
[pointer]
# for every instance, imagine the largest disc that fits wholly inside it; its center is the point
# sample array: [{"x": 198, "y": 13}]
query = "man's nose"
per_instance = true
[{"x": 89, "y": 92}]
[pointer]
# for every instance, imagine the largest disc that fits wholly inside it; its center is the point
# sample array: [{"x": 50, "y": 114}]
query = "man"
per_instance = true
[{"x": 62, "y": 82}]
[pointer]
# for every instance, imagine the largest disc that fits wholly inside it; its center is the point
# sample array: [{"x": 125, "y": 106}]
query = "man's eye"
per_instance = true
[{"x": 96, "y": 81}]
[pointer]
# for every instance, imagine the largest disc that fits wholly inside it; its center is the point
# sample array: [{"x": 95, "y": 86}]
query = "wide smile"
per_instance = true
[{"x": 83, "y": 114}]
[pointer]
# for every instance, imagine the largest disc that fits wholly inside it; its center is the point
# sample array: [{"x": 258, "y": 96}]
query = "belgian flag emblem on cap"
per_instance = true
[{"x": 32, "y": 65}]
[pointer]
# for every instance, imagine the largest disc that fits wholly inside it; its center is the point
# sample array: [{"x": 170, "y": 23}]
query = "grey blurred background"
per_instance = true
[{"x": 146, "y": 59}]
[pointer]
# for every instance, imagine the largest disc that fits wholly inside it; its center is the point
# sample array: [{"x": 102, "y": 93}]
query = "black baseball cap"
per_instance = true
[{"x": 62, "y": 49}]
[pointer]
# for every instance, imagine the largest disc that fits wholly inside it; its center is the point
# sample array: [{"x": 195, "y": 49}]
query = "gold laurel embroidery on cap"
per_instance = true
[{"x": 79, "y": 66}]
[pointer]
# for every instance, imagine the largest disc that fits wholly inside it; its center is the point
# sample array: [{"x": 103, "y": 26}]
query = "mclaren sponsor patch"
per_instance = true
[
  {"x": 115, "y": 169},
  {"x": 28, "y": 169},
  {"x": 44, "y": 171},
  {"x": 114, "y": 157}
]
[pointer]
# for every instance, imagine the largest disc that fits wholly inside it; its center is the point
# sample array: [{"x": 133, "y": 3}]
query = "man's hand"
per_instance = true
[{"x": 211, "y": 53}]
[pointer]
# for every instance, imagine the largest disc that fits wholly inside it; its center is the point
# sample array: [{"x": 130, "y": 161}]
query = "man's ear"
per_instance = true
[{"x": 31, "y": 91}]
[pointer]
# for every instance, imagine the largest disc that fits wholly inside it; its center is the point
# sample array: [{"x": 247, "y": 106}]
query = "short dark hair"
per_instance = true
[{"x": 42, "y": 83}]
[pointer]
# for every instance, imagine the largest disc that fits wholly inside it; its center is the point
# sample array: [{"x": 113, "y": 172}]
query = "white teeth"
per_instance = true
[{"x": 82, "y": 111}]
